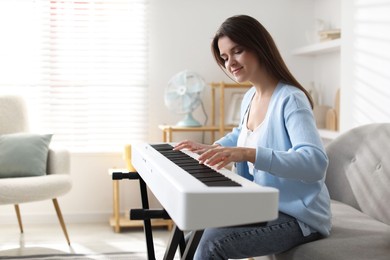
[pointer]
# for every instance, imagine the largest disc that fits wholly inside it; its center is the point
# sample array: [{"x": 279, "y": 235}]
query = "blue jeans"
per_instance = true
[{"x": 252, "y": 240}]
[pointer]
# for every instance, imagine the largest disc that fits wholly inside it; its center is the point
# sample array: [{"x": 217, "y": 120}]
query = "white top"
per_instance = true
[{"x": 248, "y": 138}]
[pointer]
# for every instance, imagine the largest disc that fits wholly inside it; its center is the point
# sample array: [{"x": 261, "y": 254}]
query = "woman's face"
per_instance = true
[{"x": 240, "y": 62}]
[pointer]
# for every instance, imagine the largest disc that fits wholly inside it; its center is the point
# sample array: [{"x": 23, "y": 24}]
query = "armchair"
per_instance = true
[{"x": 51, "y": 184}]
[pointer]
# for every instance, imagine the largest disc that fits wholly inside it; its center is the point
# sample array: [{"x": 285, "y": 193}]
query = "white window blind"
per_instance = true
[{"x": 83, "y": 67}]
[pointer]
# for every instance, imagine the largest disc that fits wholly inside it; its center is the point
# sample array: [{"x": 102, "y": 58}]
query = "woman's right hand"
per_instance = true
[{"x": 195, "y": 147}]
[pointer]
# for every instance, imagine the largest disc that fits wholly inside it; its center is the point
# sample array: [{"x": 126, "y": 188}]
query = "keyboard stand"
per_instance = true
[
  {"x": 143, "y": 214},
  {"x": 187, "y": 250}
]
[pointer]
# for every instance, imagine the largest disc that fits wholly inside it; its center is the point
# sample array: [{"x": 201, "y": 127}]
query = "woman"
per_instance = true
[{"x": 276, "y": 144}]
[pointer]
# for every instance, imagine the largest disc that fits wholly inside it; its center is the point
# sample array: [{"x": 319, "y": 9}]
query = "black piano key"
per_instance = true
[
  {"x": 183, "y": 163},
  {"x": 199, "y": 172},
  {"x": 182, "y": 160},
  {"x": 170, "y": 152},
  {"x": 205, "y": 175},
  {"x": 213, "y": 179},
  {"x": 194, "y": 171},
  {"x": 202, "y": 172},
  {"x": 195, "y": 167},
  {"x": 190, "y": 168},
  {"x": 174, "y": 155},
  {"x": 229, "y": 183},
  {"x": 162, "y": 147},
  {"x": 166, "y": 151},
  {"x": 178, "y": 156}
]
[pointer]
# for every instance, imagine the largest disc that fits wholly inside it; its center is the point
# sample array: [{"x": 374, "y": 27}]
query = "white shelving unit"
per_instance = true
[
  {"x": 319, "y": 48},
  {"x": 323, "y": 58}
]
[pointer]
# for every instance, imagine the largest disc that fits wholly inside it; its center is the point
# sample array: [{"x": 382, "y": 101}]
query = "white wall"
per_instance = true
[
  {"x": 181, "y": 32},
  {"x": 180, "y": 36},
  {"x": 365, "y": 63}
]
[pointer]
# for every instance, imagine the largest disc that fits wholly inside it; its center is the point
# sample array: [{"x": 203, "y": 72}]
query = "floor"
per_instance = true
[{"x": 85, "y": 239}]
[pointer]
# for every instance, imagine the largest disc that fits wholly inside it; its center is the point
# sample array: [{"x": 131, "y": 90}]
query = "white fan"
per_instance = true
[{"x": 183, "y": 95}]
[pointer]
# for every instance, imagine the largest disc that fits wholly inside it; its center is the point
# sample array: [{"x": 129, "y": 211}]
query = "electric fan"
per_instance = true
[{"x": 183, "y": 95}]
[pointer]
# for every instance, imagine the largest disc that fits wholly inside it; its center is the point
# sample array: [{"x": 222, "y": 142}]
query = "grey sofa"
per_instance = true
[{"x": 358, "y": 179}]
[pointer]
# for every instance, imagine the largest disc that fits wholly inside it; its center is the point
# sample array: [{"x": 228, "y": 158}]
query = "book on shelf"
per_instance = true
[{"x": 327, "y": 35}]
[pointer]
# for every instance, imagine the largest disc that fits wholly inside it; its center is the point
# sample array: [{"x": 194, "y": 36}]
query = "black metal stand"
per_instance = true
[
  {"x": 143, "y": 214},
  {"x": 187, "y": 250}
]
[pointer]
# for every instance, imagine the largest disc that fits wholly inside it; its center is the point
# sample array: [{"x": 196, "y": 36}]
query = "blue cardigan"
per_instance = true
[{"x": 290, "y": 157}]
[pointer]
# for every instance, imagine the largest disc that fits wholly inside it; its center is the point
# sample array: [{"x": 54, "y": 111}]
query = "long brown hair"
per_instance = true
[{"x": 250, "y": 34}]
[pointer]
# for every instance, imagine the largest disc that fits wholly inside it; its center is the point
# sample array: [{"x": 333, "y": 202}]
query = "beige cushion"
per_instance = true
[{"x": 28, "y": 189}]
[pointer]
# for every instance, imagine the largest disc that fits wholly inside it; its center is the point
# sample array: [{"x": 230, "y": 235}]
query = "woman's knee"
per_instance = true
[{"x": 209, "y": 248}]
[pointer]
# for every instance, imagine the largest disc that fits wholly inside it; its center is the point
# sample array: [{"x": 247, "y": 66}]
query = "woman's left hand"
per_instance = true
[{"x": 222, "y": 156}]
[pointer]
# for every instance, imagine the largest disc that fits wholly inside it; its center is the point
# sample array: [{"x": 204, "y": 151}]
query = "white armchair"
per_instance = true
[{"x": 50, "y": 185}]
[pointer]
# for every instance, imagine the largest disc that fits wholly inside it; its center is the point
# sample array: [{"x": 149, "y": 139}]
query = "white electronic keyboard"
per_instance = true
[{"x": 197, "y": 196}]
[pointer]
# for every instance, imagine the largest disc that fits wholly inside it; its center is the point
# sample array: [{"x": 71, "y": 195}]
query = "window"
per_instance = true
[{"x": 82, "y": 66}]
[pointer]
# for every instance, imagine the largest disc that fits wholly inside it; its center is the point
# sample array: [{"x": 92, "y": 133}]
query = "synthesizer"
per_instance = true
[{"x": 197, "y": 196}]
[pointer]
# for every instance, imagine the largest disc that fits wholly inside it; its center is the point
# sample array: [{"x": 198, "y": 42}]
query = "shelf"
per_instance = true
[
  {"x": 319, "y": 48},
  {"x": 167, "y": 130},
  {"x": 193, "y": 128},
  {"x": 188, "y": 128}
]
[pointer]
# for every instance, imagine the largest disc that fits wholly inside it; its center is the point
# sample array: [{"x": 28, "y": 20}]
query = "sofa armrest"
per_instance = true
[{"x": 58, "y": 161}]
